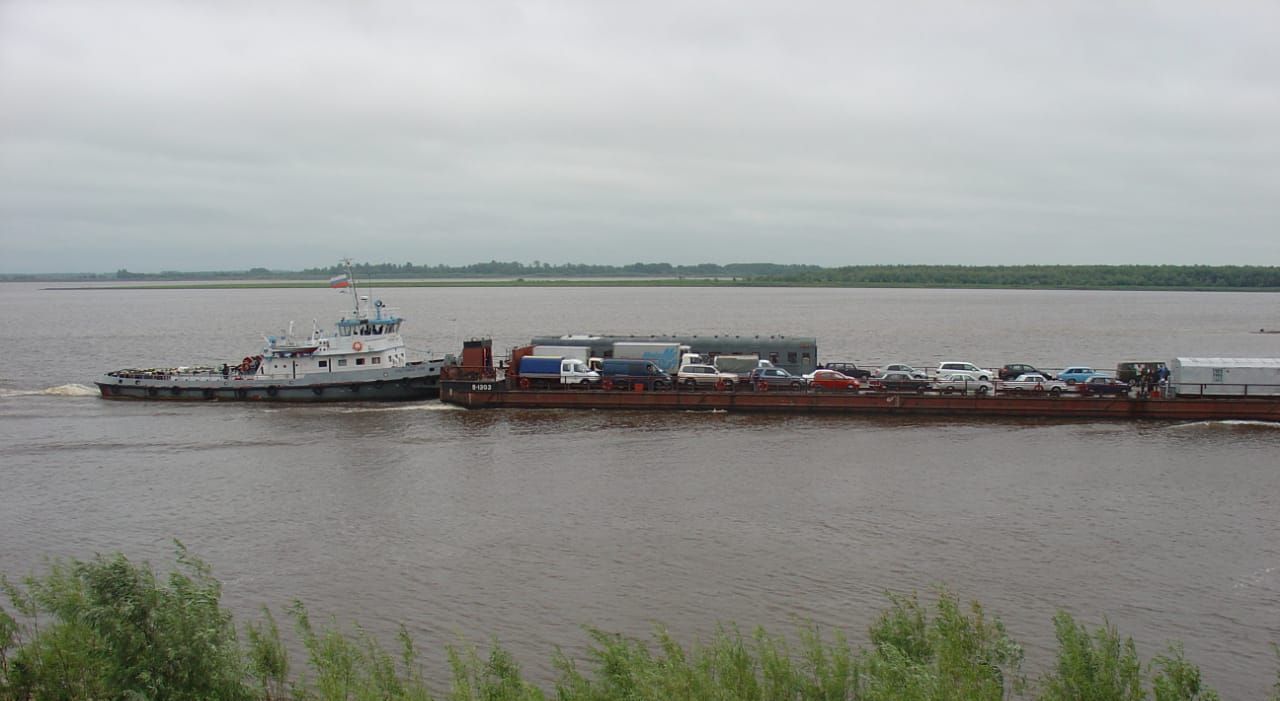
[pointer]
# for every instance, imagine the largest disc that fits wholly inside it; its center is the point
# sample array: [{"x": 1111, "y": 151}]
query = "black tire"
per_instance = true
[
  {"x": 948, "y": 390},
  {"x": 273, "y": 391},
  {"x": 795, "y": 386},
  {"x": 690, "y": 383},
  {"x": 1055, "y": 391},
  {"x": 317, "y": 391},
  {"x": 921, "y": 389},
  {"x": 981, "y": 391}
]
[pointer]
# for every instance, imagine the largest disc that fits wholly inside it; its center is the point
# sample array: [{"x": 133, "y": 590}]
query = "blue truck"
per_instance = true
[{"x": 554, "y": 371}]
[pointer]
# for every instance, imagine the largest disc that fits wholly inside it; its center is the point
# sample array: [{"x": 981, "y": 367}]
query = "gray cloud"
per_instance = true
[{"x": 155, "y": 135}]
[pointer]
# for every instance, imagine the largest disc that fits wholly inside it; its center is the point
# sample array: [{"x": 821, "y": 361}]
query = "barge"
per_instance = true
[
  {"x": 492, "y": 393},
  {"x": 476, "y": 383}
]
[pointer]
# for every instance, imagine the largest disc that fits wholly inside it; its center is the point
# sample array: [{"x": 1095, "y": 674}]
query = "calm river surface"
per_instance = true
[{"x": 522, "y": 526}]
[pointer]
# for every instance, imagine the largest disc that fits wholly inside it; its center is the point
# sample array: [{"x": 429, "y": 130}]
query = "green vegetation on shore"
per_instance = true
[
  {"x": 496, "y": 273},
  {"x": 110, "y": 628}
]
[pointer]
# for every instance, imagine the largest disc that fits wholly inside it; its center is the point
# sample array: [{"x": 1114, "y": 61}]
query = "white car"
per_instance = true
[
  {"x": 952, "y": 366},
  {"x": 1034, "y": 383},
  {"x": 693, "y": 376},
  {"x": 964, "y": 383},
  {"x": 899, "y": 367}
]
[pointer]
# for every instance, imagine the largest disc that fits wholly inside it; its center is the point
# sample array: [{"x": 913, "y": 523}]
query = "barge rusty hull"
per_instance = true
[{"x": 485, "y": 395}]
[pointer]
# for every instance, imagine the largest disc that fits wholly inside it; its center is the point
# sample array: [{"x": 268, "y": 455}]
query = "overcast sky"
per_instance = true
[{"x": 227, "y": 135}]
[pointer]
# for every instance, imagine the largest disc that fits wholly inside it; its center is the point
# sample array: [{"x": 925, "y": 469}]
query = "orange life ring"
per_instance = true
[
  {"x": 607, "y": 384},
  {"x": 357, "y": 346},
  {"x": 524, "y": 383},
  {"x": 762, "y": 386},
  {"x": 1039, "y": 387}
]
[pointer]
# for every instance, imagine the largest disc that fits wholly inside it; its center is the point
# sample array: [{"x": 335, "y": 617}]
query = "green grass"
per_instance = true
[{"x": 109, "y": 628}]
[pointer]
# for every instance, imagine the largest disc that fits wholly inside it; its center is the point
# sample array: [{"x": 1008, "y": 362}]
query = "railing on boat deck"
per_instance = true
[{"x": 1213, "y": 390}]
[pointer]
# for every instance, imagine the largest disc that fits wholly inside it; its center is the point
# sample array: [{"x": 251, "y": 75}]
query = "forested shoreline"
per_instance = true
[{"x": 1160, "y": 277}]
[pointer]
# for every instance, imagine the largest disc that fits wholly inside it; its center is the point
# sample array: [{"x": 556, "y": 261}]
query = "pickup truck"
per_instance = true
[
  {"x": 1032, "y": 383},
  {"x": 551, "y": 371}
]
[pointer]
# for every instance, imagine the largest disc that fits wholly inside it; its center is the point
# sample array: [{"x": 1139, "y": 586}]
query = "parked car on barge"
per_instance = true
[
  {"x": 826, "y": 379},
  {"x": 1103, "y": 386},
  {"x": 1033, "y": 383},
  {"x": 899, "y": 381},
  {"x": 1077, "y": 373},
  {"x": 964, "y": 383},
  {"x": 1012, "y": 370},
  {"x": 774, "y": 378},
  {"x": 705, "y": 377}
]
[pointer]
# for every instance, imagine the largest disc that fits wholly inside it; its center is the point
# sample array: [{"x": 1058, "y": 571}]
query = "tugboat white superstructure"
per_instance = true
[{"x": 363, "y": 359}]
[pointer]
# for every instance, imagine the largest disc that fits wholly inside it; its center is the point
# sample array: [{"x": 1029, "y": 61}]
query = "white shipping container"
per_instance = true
[
  {"x": 575, "y": 352},
  {"x": 665, "y": 355},
  {"x": 1225, "y": 377}
]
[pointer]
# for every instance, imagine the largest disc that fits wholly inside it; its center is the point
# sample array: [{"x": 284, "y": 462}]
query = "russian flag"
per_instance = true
[{"x": 340, "y": 281}]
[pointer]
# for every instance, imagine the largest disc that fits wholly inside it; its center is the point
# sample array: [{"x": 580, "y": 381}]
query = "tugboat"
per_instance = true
[{"x": 364, "y": 359}]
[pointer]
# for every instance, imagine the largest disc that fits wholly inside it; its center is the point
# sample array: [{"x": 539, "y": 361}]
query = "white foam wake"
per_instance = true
[
  {"x": 68, "y": 390},
  {"x": 1230, "y": 422}
]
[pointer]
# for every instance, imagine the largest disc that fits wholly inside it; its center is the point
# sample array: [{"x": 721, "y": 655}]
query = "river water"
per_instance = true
[{"x": 523, "y": 526}]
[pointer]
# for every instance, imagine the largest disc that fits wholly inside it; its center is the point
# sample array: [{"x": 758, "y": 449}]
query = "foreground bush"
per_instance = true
[{"x": 110, "y": 629}]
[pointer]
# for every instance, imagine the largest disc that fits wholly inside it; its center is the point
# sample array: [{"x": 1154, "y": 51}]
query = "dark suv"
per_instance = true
[
  {"x": 616, "y": 373},
  {"x": 774, "y": 378},
  {"x": 1012, "y": 370},
  {"x": 849, "y": 369}
]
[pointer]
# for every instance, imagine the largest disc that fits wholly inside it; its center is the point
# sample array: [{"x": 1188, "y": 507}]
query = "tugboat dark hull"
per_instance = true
[{"x": 395, "y": 387}]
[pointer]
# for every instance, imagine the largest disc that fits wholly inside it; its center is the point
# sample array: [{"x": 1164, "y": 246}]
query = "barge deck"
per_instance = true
[{"x": 485, "y": 394}]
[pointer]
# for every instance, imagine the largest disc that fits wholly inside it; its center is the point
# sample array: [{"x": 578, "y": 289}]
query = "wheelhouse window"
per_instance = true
[
  {"x": 377, "y": 361},
  {"x": 359, "y": 361},
  {"x": 342, "y": 362},
  {"x": 324, "y": 363}
]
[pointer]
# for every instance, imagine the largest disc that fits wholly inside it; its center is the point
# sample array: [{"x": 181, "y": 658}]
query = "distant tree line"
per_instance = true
[
  {"x": 1244, "y": 277},
  {"x": 497, "y": 268},
  {"x": 1060, "y": 276}
]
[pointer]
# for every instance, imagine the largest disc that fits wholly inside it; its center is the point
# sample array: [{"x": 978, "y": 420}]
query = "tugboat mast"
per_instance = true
[{"x": 351, "y": 282}]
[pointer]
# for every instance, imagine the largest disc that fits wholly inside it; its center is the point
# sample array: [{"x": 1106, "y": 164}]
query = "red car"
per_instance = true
[
  {"x": 1101, "y": 385},
  {"x": 832, "y": 379}
]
